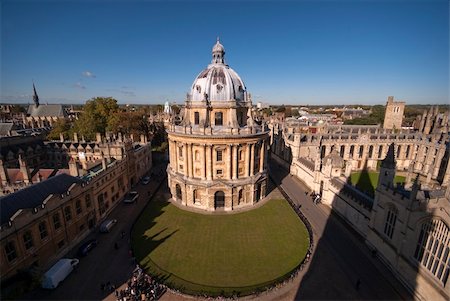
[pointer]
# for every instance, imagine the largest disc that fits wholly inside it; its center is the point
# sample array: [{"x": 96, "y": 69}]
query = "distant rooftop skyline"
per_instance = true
[{"x": 286, "y": 52}]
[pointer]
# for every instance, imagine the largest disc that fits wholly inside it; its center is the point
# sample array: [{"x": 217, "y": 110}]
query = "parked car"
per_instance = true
[
  {"x": 145, "y": 180},
  {"x": 131, "y": 197},
  {"x": 87, "y": 247},
  {"x": 106, "y": 226},
  {"x": 58, "y": 272}
]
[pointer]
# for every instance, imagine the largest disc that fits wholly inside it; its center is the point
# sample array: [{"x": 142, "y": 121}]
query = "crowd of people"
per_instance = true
[{"x": 141, "y": 287}]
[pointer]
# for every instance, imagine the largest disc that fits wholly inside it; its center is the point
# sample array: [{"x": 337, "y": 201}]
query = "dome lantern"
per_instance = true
[{"x": 218, "y": 53}]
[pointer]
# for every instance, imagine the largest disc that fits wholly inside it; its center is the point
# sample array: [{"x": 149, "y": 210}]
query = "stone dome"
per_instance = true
[{"x": 218, "y": 82}]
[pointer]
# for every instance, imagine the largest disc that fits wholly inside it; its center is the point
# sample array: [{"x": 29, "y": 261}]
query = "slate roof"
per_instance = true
[
  {"x": 34, "y": 195},
  {"x": 53, "y": 110},
  {"x": 5, "y": 127}
]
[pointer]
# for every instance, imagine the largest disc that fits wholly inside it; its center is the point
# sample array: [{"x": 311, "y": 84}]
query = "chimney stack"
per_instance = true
[
  {"x": 3, "y": 174},
  {"x": 24, "y": 170},
  {"x": 73, "y": 168}
]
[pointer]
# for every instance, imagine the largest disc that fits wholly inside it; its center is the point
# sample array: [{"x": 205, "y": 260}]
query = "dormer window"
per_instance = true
[
  {"x": 198, "y": 88},
  {"x": 219, "y": 87}
]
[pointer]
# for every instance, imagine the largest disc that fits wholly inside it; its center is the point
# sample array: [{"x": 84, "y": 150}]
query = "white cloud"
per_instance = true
[
  {"x": 80, "y": 86},
  {"x": 89, "y": 74}
]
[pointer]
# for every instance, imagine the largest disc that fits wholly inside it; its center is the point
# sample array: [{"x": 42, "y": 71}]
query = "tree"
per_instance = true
[
  {"x": 60, "y": 126},
  {"x": 128, "y": 123},
  {"x": 97, "y": 113}
]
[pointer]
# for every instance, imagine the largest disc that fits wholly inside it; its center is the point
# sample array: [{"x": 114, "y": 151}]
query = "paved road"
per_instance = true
[
  {"x": 340, "y": 256},
  {"x": 104, "y": 263}
]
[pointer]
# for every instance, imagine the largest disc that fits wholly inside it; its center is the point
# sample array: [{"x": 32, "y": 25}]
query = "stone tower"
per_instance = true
[
  {"x": 393, "y": 116},
  {"x": 387, "y": 169}
]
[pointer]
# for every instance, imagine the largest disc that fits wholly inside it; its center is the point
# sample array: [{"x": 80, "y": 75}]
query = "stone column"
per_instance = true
[
  {"x": 247, "y": 160},
  {"x": 188, "y": 159},
  {"x": 177, "y": 155},
  {"x": 185, "y": 159},
  {"x": 208, "y": 162},
  {"x": 261, "y": 157},
  {"x": 252, "y": 160},
  {"x": 204, "y": 162},
  {"x": 235, "y": 162},
  {"x": 229, "y": 162}
]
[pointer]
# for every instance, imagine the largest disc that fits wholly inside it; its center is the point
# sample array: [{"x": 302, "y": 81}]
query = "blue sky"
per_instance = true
[{"x": 287, "y": 52}]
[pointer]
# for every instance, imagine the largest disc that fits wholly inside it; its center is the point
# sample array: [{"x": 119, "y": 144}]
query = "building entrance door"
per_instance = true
[{"x": 219, "y": 200}]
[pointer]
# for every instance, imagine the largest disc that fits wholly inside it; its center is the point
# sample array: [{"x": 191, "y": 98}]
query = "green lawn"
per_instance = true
[
  {"x": 368, "y": 181},
  {"x": 220, "y": 253}
]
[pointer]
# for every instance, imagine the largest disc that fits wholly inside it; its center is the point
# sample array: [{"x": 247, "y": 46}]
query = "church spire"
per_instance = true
[
  {"x": 35, "y": 97},
  {"x": 218, "y": 53}
]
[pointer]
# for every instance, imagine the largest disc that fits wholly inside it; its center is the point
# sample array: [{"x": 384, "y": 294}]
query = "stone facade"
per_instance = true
[
  {"x": 406, "y": 225},
  {"x": 43, "y": 221},
  {"x": 218, "y": 154}
]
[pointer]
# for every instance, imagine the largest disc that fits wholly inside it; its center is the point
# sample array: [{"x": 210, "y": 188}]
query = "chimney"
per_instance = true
[
  {"x": 73, "y": 168},
  {"x": 390, "y": 98},
  {"x": 3, "y": 174},
  {"x": 24, "y": 170},
  {"x": 39, "y": 177},
  {"x": 75, "y": 137},
  {"x": 98, "y": 137},
  {"x": 61, "y": 137}
]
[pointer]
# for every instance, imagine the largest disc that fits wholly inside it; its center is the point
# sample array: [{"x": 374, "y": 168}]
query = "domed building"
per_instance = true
[{"x": 218, "y": 154}]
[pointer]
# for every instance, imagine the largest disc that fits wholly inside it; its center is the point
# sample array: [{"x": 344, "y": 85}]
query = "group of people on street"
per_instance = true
[
  {"x": 141, "y": 287},
  {"x": 316, "y": 197}
]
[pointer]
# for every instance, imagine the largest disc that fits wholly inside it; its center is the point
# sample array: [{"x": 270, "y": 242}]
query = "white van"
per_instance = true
[
  {"x": 58, "y": 272},
  {"x": 106, "y": 226}
]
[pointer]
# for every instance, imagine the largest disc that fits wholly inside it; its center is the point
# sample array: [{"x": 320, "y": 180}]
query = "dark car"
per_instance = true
[
  {"x": 87, "y": 247},
  {"x": 131, "y": 197}
]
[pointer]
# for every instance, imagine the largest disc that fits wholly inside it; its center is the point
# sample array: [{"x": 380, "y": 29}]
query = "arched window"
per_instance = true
[
  {"x": 218, "y": 118},
  {"x": 68, "y": 213},
  {"x": 195, "y": 196},
  {"x": 408, "y": 149},
  {"x": 352, "y": 151},
  {"x": 433, "y": 247},
  {"x": 370, "y": 151},
  {"x": 178, "y": 192},
  {"x": 380, "y": 151},
  {"x": 342, "y": 151},
  {"x": 240, "y": 198},
  {"x": 391, "y": 219}
]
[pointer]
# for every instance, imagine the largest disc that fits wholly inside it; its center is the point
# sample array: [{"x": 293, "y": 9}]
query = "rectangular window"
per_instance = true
[
  {"x": 28, "y": 240},
  {"x": 68, "y": 213},
  {"x": 43, "y": 230},
  {"x": 78, "y": 208},
  {"x": 88, "y": 201},
  {"x": 10, "y": 250},
  {"x": 389, "y": 226},
  {"x": 219, "y": 172},
  {"x": 219, "y": 156},
  {"x": 218, "y": 118},
  {"x": 56, "y": 221},
  {"x": 196, "y": 117}
]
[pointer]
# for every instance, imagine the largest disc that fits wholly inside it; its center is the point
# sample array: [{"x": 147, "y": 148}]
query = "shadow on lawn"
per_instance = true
[
  {"x": 143, "y": 244},
  {"x": 364, "y": 182}
]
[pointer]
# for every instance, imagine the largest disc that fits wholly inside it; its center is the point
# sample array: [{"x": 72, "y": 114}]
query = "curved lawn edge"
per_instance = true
[{"x": 181, "y": 285}]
